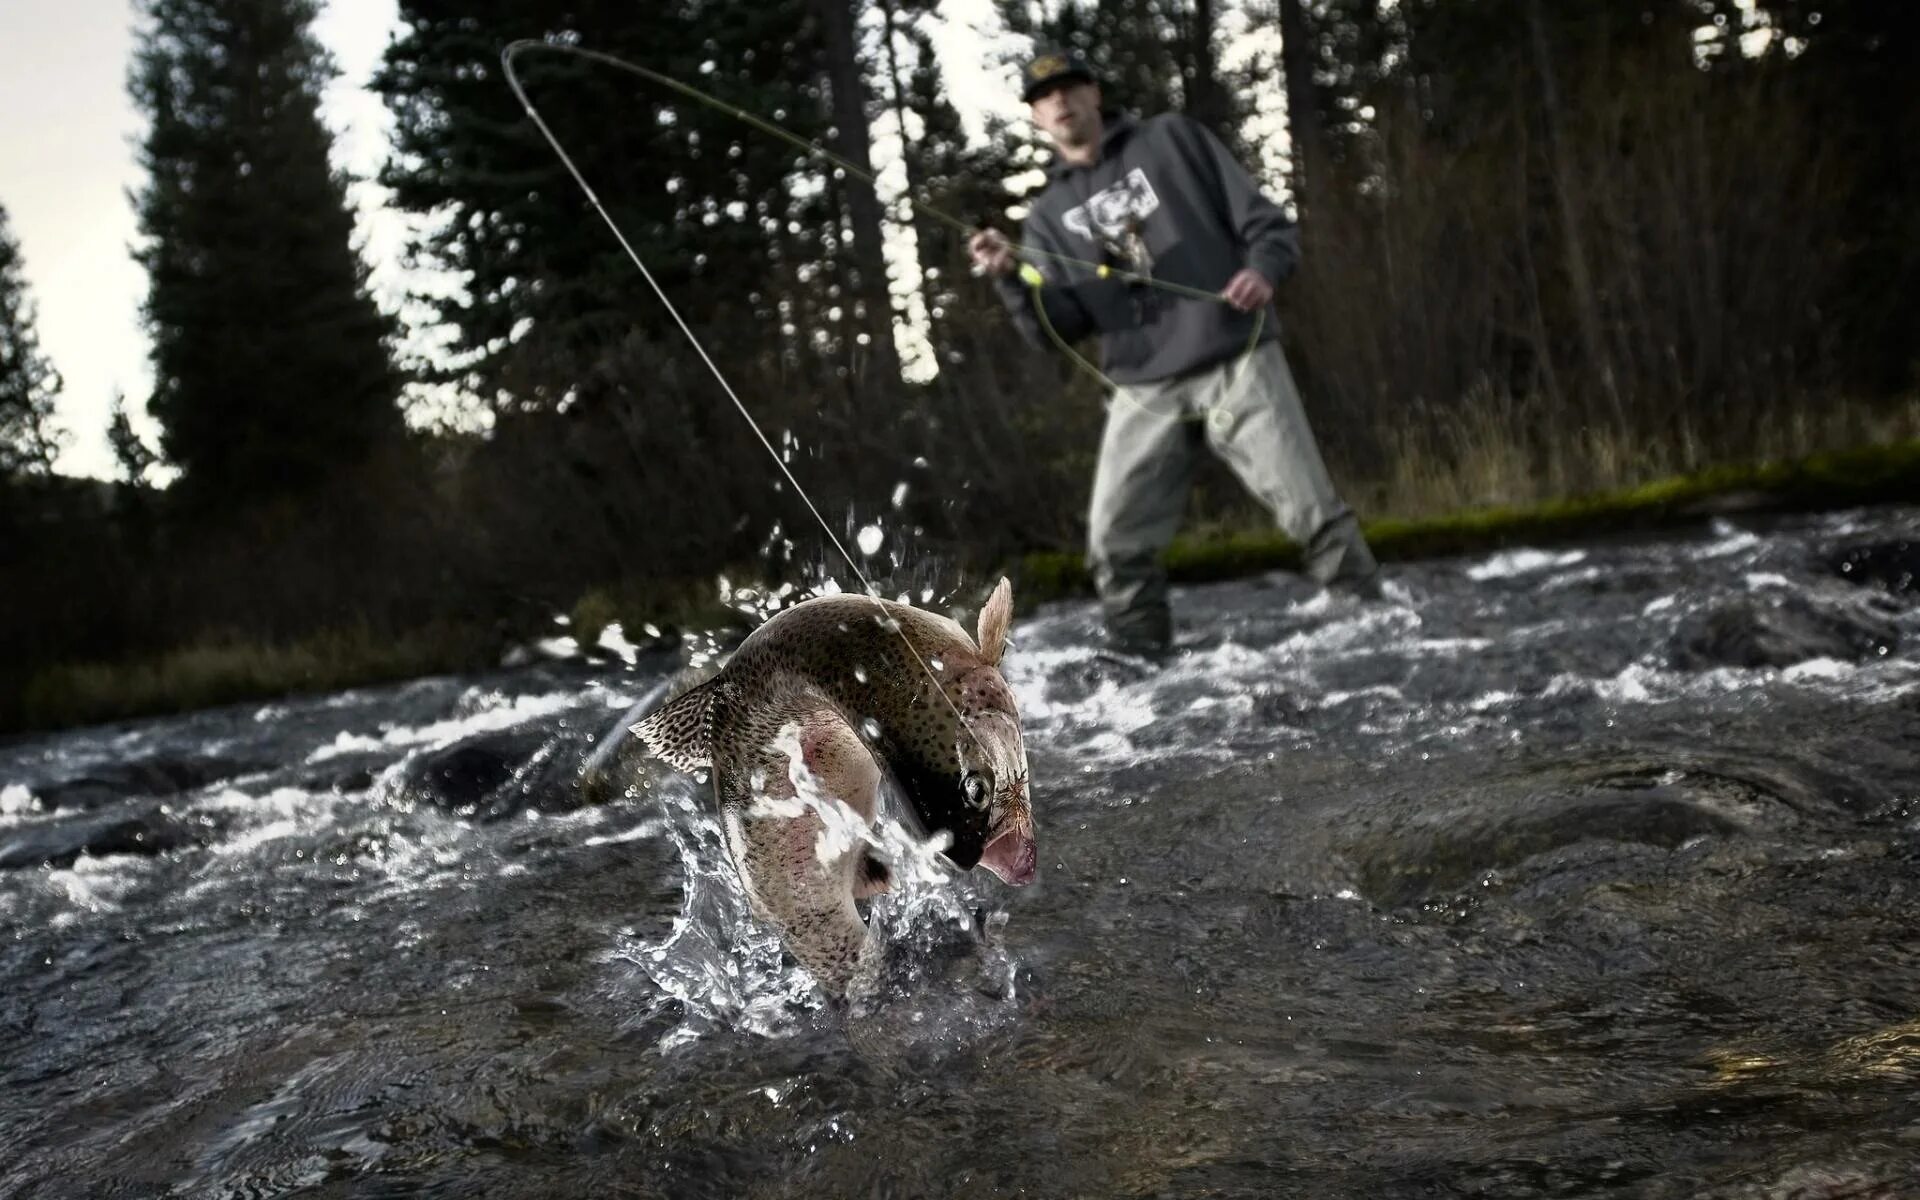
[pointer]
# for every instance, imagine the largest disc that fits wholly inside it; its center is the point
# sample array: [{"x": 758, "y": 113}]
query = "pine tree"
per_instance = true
[
  {"x": 710, "y": 205},
  {"x": 28, "y": 383},
  {"x": 130, "y": 450},
  {"x": 271, "y": 361}
]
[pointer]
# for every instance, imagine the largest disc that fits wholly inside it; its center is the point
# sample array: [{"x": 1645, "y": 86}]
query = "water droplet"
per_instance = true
[
  {"x": 937, "y": 663},
  {"x": 860, "y": 673},
  {"x": 870, "y": 728},
  {"x": 870, "y": 539}
]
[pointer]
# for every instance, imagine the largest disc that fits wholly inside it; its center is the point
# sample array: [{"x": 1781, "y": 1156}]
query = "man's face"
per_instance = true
[{"x": 1069, "y": 113}]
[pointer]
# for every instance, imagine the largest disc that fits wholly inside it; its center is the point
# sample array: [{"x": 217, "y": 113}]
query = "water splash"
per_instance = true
[{"x": 719, "y": 967}]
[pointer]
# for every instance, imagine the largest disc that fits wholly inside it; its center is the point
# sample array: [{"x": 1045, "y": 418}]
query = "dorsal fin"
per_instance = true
[
  {"x": 995, "y": 616},
  {"x": 679, "y": 730}
]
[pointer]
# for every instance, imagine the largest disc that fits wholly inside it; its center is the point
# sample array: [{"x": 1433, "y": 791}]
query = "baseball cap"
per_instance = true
[{"x": 1050, "y": 66}]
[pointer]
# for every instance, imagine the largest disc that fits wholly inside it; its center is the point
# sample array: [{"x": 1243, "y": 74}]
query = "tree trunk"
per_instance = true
[
  {"x": 1579, "y": 273},
  {"x": 1206, "y": 103},
  {"x": 868, "y": 279},
  {"x": 1303, "y": 100},
  {"x": 926, "y": 242}
]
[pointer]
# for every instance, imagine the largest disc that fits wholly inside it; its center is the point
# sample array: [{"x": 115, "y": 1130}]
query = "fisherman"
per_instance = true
[{"x": 1162, "y": 198}]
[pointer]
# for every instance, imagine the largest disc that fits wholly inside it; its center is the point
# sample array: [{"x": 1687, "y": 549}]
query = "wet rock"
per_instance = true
[
  {"x": 1074, "y": 681},
  {"x": 1429, "y": 858},
  {"x": 58, "y": 842},
  {"x": 1778, "y": 633},
  {"x": 1893, "y": 565},
  {"x": 494, "y": 775}
]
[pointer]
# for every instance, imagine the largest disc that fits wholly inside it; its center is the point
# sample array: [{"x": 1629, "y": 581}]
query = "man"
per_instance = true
[{"x": 1162, "y": 198}]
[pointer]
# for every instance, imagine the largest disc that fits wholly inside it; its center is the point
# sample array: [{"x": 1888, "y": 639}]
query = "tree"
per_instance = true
[
  {"x": 29, "y": 441},
  {"x": 943, "y": 173},
  {"x": 724, "y": 217},
  {"x": 130, "y": 450},
  {"x": 1854, "y": 57},
  {"x": 271, "y": 361}
]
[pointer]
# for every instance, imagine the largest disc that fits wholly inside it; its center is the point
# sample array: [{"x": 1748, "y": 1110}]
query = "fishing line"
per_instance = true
[
  {"x": 1030, "y": 274},
  {"x": 513, "y": 80}
]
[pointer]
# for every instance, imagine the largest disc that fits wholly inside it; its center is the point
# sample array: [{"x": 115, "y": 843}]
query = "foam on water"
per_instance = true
[
  {"x": 16, "y": 802},
  {"x": 1510, "y": 563},
  {"x": 492, "y": 718}
]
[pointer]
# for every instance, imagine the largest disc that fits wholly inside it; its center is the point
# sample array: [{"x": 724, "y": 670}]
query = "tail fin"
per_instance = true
[{"x": 680, "y": 732}]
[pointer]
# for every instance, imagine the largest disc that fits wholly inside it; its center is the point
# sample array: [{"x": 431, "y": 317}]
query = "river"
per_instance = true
[{"x": 1583, "y": 870}]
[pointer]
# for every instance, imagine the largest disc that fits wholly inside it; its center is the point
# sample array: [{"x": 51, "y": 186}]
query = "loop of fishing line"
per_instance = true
[{"x": 513, "y": 80}]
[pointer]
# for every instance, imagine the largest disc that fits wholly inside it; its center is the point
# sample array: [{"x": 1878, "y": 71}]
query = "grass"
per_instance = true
[
  {"x": 234, "y": 670},
  {"x": 229, "y": 671}
]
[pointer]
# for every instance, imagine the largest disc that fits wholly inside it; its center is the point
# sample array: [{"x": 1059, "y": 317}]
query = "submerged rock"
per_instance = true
[
  {"x": 1893, "y": 565},
  {"x": 1778, "y": 633},
  {"x": 1430, "y": 856}
]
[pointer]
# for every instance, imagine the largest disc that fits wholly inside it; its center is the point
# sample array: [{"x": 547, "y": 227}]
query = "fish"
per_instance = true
[{"x": 814, "y": 713}]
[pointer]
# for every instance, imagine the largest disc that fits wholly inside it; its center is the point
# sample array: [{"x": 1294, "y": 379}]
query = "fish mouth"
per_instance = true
[{"x": 1011, "y": 857}]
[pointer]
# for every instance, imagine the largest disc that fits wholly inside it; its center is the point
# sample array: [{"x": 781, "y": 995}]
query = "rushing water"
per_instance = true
[{"x": 1570, "y": 872}]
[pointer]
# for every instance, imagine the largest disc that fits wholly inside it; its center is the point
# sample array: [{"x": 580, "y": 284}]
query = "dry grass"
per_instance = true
[
  {"x": 229, "y": 671},
  {"x": 1492, "y": 453}
]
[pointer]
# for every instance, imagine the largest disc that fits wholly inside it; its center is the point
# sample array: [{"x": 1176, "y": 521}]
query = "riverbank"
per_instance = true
[{"x": 207, "y": 675}]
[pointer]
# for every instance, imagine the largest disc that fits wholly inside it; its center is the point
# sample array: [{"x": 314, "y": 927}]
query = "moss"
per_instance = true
[
  {"x": 591, "y": 614},
  {"x": 1870, "y": 475}
]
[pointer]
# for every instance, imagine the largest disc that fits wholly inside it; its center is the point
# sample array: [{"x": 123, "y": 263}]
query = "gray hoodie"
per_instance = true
[{"x": 1167, "y": 200}]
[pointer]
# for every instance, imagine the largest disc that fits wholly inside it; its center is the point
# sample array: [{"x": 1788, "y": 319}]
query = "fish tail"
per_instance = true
[{"x": 680, "y": 732}]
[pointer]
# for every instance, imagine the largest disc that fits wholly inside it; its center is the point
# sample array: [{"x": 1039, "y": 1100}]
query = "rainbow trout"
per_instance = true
[{"x": 815, "y": 709}]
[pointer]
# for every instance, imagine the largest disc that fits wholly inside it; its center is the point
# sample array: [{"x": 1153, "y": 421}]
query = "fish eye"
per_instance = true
[{"x": 975, "y": 786}]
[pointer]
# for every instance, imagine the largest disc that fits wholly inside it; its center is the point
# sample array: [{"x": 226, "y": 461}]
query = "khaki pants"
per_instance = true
[{"x": 1247, "y": 412}]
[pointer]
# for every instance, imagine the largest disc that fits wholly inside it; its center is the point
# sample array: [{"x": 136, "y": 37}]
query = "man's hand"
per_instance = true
[
  {"x": 992, "y": 253},
  {"x": 1247, "y": 290}
]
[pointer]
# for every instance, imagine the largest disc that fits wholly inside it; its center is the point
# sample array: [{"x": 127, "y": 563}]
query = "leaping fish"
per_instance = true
[{"x": 838, "y": 693}]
